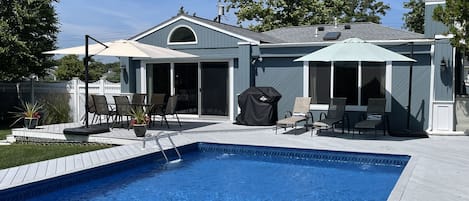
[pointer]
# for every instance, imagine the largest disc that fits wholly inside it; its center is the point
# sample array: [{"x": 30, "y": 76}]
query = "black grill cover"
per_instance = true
[{"x": 258, "y": 106}]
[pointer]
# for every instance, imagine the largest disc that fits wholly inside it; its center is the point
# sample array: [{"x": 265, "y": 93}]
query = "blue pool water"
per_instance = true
[{"x": 223, "y": 173}]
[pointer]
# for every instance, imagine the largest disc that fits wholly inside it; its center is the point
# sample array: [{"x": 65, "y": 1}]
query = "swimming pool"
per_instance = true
[{"x": 232, "y": 172}]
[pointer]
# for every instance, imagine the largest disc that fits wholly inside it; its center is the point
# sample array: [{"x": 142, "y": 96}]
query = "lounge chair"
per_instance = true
[
  {"x": 375, "y": 116},
  {"x": 300, "y": 113},
  {"x": 335, "y": 115}
]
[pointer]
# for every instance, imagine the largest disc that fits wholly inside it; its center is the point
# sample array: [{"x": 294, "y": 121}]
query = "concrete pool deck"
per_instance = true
[{"x": 438, "y": 170}]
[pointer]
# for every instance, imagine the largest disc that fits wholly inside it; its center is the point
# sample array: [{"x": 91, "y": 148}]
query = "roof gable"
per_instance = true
[{"x": 237, "y": 32}]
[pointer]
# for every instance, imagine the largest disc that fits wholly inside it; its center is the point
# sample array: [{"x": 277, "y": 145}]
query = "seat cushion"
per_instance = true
[{"x": 291, "y": 120}]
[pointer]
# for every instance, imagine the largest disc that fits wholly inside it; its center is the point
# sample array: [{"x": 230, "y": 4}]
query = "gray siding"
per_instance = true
[
  {"x": 420, "y": 94},
  {"x": 128, "y": 75},
  {"x": 433, "y": 27},
  {"x": 242, "y": 72},
  {"x": 283, "y": 74},
  {"x": 443, "y": 78}
]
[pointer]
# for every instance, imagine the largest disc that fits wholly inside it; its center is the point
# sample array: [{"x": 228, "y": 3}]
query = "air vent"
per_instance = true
[
  {"x": 331, "y": 36},
  {"x": 347, "y": 26},
  {"x": 320, "y": 28}
]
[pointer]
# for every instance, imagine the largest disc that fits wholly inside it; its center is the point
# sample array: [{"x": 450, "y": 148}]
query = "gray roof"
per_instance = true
[
  {"x": 299, "y": 34},
  {"x": 364, "y": 30}
]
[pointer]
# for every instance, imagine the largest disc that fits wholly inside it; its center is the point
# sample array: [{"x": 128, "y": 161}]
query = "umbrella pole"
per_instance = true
[
  {"x": 409, "y": 101},
  {"x": 85, "y": 61}
]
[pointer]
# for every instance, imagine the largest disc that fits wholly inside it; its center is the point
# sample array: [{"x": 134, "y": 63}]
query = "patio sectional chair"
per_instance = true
[
  {"x": 299, "y": 114},
  {"x": 335, "y": 115},
  {"x": 375, "y": 116}
]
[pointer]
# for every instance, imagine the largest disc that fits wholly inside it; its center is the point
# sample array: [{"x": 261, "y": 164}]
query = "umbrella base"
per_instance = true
[{"x": 86, "y": 131}]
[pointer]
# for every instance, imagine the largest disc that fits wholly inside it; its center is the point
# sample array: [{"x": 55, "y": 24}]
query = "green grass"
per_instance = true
[
  {"x": 4, "y": 133},
  {"x": 20, "y": 154}
]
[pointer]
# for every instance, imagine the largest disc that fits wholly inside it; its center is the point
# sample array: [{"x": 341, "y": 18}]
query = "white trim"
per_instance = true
[
  {"x": 143, "y": 77},
  {"x": 435, "y": 2},
  {"x": 195, "y": 22},
  {"x": 231, "y": 89},
  {"x": 388, "y": 86},
  {"x": 332, "y": 81},
  {"x": 199, "y": 88},
  {"x": 441, "y": 36},
  {"x": 171, "y": 79},
  {"x": 432, "y": 88},
  {"x": 181, "y": 43},
  {"x": 305, "y": 79},
  {"x": 454, "y": 72},
  {"x": 359, "y": 83}
]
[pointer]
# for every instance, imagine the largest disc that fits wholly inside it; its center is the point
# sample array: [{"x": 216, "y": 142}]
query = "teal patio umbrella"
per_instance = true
[{"x": 355, "y": 49}]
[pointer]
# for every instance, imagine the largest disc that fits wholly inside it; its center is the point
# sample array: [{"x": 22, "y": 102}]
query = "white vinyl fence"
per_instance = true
[{"x": 74, "y": 89}]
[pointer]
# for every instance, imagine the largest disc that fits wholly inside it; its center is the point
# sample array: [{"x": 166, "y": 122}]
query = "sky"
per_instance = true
[{"x": 108, "y": 20}]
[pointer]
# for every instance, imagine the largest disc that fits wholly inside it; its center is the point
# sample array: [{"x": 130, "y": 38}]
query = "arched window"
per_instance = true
[{"x": 182, "y": 35}]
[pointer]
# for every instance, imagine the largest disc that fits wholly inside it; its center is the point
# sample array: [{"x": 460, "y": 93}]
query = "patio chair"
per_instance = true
[
  {"x": 300, "y": 113},
  {"x": 138, "y": 101},
  {"x": 157, "y": 103},
  {"x": 335, "y": 115},
  {"x": 170, "y": 109},
  {"x": 91, "y": 110},
  {"x": 375, "y": 116},
  {"x": 102, "y": 107},
  {"x": 123, "y": 108}
]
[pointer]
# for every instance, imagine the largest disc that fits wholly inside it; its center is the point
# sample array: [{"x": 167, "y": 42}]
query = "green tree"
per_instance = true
[
  {"x": 27, "y": 28},
  {"x": 68, "y": 67},
  {"x": 113, "y": 71},
  {"x": 455, "y": 15},
  {"x": 414, "y": 19},
  {"x": 264, "y": 15},
  {"x": 71, "y": 66}
]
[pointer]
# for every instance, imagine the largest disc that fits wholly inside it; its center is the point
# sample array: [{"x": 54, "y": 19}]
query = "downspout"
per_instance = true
[
  {"x": 432, "y": 89},
  {"x": 409, "y": 101}
]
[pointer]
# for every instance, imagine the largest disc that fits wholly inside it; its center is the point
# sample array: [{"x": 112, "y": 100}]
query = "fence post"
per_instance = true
[
  {"x": 76, "y": 101},
  {"x": 101, "y": 85}
]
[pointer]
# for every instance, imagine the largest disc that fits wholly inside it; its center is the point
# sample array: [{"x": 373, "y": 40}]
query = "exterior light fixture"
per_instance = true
[{"x": 443, "y": 64}]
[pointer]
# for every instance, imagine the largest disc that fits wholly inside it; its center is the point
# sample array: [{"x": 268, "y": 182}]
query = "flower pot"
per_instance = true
[
  {"x": 30, "y": 123},
  {"x": 140, "y": 130}
]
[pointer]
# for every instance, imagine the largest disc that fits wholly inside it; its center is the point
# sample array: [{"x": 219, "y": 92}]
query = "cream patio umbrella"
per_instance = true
[
  {"x": 118, "y": 48},
  {"x": 355, "y": 49}
]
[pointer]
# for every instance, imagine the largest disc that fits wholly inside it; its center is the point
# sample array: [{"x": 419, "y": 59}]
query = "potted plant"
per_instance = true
[
  {"x": 29, "y": 113},
  {"x": 139, "y": 122}
]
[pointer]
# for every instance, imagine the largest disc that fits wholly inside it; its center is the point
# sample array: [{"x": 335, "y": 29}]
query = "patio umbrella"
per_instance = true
[
  {"x": 355, "y": 49},
  {"x": 125, "y": 48},
  {"x": 118, "y": 48}
]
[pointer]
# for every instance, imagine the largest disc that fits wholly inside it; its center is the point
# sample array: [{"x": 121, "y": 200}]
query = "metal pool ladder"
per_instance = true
[{"x": 168, "y": 135}]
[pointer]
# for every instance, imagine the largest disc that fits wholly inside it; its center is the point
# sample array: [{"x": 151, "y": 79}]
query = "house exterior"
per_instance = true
[{"x": 232, "y": 59}]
